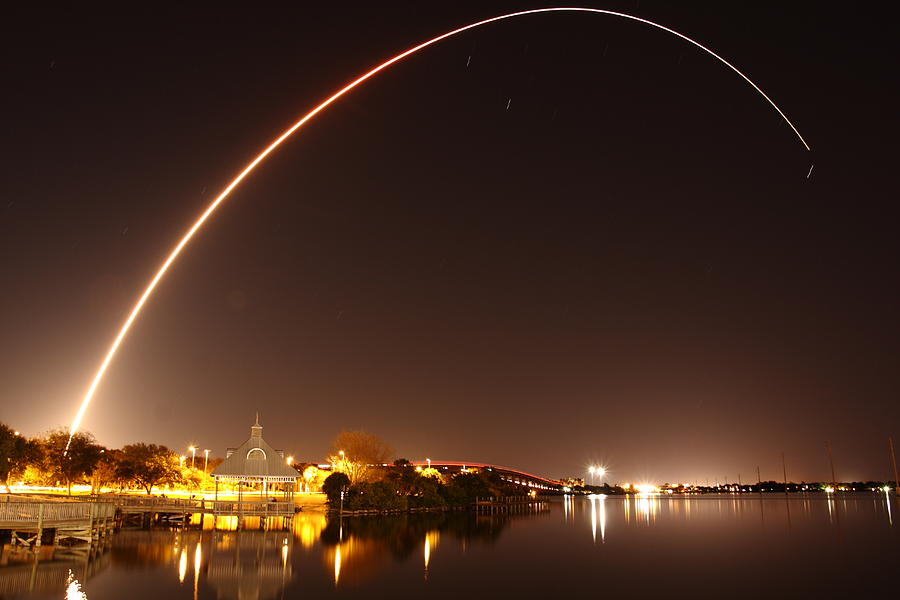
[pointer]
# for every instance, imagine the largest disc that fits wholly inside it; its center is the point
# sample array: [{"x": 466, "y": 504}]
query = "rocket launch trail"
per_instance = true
[{"x": 201, "y": 220}]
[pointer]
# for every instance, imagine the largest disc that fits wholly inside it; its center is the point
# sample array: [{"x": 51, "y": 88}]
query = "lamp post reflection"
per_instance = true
[
  {"x": 603, "y": 518},
  {"x": 431, "y": 542},
  {"x": 198, "y": 555},
  {"x": 598, "y": 513},
  {"x": 337, "y": 564},
  {"x": 887, "y": 503},
  {"x": 182, "y": 565}
]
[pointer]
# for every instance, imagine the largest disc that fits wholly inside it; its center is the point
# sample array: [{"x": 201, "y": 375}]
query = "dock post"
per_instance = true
[
  {"x": 40, "y": 527},
  {"x": 893, "y": 462}
]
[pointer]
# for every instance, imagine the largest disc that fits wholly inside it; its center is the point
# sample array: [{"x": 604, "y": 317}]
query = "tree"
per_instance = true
[
  {"x": 310, "y": 477},
  {"x": 381, "y": 495},
  {"x": 148, "y": 465},
  {"x": 75, "y": 462},
  {"x": 333, "y": 486},
  {"x": 14, "y": 452},
  {"x": 466, "y": 487},
  {"x": 106, "y": 471},
  {"x": 358, "y": 453}
]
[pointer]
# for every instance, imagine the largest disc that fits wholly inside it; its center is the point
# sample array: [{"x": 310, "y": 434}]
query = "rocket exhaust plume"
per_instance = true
[{"x": 76, "y": 422}]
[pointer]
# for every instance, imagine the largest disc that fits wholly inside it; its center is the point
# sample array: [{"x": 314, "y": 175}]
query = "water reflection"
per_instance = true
[
  {"x": 317, "y": 556},
  {"x": 73, "y": 588},
  {"x": 182, "y": 566},
  {"x": 248, "y": 565},
  {"x": 198, "y": 555},
  {"x": 358, "y": 548},
  {"x": 598, "y": 513},
  {"x": 51, "y": 568},
  {"x": 431, "y": 542}
]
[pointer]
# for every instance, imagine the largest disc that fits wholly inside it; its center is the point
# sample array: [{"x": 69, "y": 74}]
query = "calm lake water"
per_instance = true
[{"x": 806, "y": 547}]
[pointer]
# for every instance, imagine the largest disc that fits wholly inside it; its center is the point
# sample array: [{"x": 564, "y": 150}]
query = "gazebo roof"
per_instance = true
[{"x": 255, "y": 459}]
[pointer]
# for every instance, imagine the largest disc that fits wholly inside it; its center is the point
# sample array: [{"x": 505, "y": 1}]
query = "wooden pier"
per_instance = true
[
  {"x": 510, "y": 504},
  {"x": 89, "y": 522},
  {"x": 146, "y": 510}
]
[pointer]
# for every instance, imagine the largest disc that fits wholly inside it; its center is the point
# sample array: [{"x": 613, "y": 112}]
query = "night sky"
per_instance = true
[{"x": 591, "y": 243}]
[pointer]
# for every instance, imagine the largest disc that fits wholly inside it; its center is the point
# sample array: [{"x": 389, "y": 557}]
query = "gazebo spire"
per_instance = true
[{"x": 256, "y": 430}]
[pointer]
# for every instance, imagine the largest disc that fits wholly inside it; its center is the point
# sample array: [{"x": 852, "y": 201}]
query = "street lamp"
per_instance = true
[
  {"x": 206, "y": 464},
  {"x": 181, "y": 460},
  {"x": 428, "y": 460},
  {"x": 193, "y": 450},
  {"x": 598, "y": 471},
  {"x": 290, "y": 460}
]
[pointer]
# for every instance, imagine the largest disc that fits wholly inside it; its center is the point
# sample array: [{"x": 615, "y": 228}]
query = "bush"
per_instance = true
[
  {"x": 333, "y": 485},
  {"x": 375, "y": 496},
  {"x": 427, "y": 499}
]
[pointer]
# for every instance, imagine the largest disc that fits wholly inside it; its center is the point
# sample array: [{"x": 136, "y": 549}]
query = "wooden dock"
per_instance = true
[
  {"x": 145, "y": 510},
  {"x": 510, "y": 504},
  {"x": 89, "y": 522},
  {"x": 159, "y": 505}
]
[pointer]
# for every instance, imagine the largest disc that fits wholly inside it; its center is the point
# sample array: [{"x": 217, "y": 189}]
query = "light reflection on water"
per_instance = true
[
  {"x": 73, "y": 588},
  {"x": 802, "y": 544}
]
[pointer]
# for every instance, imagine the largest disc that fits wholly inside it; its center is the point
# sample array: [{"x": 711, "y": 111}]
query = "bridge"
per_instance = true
[{"x": 513, "y": 476}]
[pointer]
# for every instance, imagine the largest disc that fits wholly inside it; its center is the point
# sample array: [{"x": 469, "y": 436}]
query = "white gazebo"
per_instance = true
[{"x": 256, "y": 462}]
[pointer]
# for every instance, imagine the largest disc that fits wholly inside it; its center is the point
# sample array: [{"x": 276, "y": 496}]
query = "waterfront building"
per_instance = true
[{"x": 256, "y": 463}]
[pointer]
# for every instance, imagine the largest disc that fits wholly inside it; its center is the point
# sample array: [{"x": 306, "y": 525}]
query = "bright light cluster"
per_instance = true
[{"x": 646, "y": 488}]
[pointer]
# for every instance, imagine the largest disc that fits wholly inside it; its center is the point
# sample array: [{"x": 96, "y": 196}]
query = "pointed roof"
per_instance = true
[{"x": 255, "y": 459}]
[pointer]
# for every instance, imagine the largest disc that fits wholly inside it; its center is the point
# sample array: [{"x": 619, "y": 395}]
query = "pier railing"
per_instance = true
[
  {"x": 54, "y": 512},
  {"x": 155, "y": 504}
]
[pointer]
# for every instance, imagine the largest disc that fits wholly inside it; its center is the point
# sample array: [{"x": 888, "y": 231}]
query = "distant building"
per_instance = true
[
  {"x": 256, "y": 463},
  {"x": 572, "y": 482}
]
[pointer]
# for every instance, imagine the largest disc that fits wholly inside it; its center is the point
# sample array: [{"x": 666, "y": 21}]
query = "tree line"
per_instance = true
[
  {"x": 402, "y": 486},
  {"x": 44, "y": 461}
]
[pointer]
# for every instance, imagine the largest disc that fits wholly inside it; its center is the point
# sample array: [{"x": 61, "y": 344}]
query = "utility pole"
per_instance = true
[
  {"x": 784, "y": 473},
  {"x": 831, "y": 460},
  {"x": 894, "y": 462},
  {"x": 758, "y": 481}
]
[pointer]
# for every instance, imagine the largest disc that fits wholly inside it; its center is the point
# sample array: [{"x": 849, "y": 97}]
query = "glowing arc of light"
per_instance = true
[{"x": 76, "y": 422}]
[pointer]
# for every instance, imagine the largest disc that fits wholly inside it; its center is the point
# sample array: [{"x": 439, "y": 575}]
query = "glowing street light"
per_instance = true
[
  {"x": 206, "y": 464},
  {"x": 193, "y": 450},
  {"x": 289, "y": 460},
  {"x": 596, "y": 470},
  {"x": 428, "y": 460}
]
